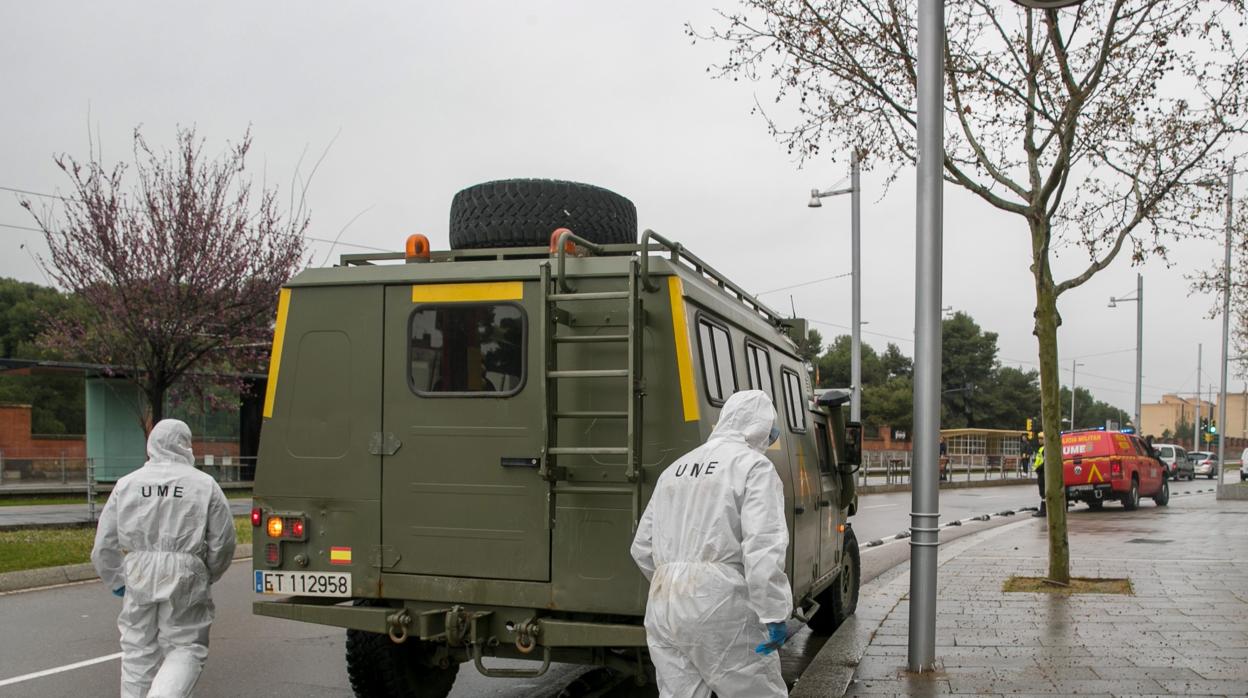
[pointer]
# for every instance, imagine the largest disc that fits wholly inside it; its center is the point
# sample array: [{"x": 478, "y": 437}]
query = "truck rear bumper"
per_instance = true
[
  {"x": 1100, "y": 490},
  {"x": 433, "y": 622}
]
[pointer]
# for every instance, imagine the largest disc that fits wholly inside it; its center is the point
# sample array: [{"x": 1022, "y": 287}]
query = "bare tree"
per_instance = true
[
  {"x": 1211, "y": 280},
  {"x": 1092, "y": 125},
  {"x": 180, "y": 265}
]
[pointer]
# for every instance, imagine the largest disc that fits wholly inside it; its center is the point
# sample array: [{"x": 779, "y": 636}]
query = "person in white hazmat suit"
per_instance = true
[
  {"x": 165, "y": 535},
  {"x": 712, "y": 542}
]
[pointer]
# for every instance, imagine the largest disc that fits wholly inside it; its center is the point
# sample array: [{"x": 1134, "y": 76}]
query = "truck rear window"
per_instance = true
[{"x": 462, "y": 348}]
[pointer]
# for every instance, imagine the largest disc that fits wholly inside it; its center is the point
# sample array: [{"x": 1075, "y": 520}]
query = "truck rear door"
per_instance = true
[{"x": 463, "y": 426}]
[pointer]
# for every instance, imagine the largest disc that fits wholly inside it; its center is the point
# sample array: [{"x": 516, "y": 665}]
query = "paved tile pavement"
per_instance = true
[{"x": 1183, "y": 632}]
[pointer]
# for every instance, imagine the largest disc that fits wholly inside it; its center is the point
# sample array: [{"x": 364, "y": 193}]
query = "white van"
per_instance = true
[{"x": 1178, "y": 467}]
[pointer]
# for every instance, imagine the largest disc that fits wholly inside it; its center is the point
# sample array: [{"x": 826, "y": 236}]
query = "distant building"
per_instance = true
[
  {"x": 115, "y": 441},
  {"x": 1165, "y": 415},
  {"x": 1172, "y": 409}
]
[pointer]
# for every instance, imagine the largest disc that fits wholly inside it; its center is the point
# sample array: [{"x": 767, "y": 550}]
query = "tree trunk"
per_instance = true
[
  {"x": 155, "y": 402},
  {"x": 1051, "y": 415}
]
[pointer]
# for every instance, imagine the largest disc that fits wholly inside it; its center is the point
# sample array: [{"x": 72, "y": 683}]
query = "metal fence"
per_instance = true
[
  {"x": 893, "y": 467},
  {"x": 50, "y": 471}
]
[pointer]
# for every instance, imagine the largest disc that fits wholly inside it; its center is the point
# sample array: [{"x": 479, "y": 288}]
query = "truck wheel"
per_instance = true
[
  {"x": 838, "y": 601},
  {"x": 378, "y": 668},
  {"x": 1131, "y": 500},
  {"x": 1163, "y": 496},
  {"x": 524, "y": 213}
]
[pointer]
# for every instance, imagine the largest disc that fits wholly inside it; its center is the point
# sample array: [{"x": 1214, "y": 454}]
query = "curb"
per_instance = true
[
  {"x": 35, "y": 526},
  {"x": 27, "y": 580}
]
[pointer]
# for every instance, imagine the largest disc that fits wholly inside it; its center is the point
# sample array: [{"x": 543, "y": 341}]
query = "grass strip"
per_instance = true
[{"x": 32, "y": 548}]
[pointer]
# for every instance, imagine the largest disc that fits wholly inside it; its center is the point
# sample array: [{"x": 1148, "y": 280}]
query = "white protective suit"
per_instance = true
[
  {"x": 712, "y": 542},
  {"x": 165, "y": 535}
]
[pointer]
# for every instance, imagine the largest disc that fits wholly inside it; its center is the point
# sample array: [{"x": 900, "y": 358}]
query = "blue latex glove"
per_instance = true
[
  {"x": 119, "y": 592},
  {"x": 776, "y": 636}
]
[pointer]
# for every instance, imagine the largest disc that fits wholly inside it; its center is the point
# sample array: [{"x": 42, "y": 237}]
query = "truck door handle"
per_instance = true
[
  {"x": 799, "y": 510},
  {"x": 825, "y": 502}
]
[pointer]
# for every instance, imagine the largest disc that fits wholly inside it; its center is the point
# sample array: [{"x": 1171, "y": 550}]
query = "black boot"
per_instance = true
[{"x": 1041, "y": 511}]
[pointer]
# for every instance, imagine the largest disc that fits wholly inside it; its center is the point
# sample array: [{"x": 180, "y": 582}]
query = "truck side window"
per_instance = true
[
  {"x": 467, "y": 348},
  {"x": 717, "y": 369},
  {"x": 821, "y": 442},
  {"x": 794, "y": 401},
  {"x": 758, "y": 366}
]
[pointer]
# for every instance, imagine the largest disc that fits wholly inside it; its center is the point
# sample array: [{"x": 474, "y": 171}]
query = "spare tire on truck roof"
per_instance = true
[{"x": 524, "y": 213}]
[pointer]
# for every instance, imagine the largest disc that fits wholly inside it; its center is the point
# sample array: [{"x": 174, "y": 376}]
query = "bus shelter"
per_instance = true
[{"x": 986, "y": 453}]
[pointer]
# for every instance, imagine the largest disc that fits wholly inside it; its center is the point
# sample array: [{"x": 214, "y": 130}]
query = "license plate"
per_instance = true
[
  {"x": 1079, "y": 488},
  {"x": 303, "y": 583}
]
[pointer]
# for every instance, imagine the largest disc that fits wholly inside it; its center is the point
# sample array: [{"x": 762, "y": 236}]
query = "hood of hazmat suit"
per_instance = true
[
  {"x": 712, "y": 542},
  {"x": 165, "y": 535}
]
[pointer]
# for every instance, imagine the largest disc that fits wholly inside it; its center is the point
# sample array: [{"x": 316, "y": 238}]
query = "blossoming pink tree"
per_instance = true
[{"x": 179, "y": 259}]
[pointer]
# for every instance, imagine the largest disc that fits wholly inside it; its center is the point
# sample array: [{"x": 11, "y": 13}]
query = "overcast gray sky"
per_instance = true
[{"x": 431, "y": 97}]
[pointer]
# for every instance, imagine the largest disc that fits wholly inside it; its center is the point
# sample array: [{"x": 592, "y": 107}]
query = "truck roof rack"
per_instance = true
[{"x": 651, "y": 242}]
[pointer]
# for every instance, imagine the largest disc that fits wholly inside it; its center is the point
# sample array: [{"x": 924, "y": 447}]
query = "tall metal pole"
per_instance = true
[
  {"x": 1074, "y": 369},
  {"x": 1226, "y": 324},
  {"x": 925, "y": 493},
  {"x": 855, "y": 361},
  {"x": 1200, "y": 350},
  {"x": 1139, "y": 348}
]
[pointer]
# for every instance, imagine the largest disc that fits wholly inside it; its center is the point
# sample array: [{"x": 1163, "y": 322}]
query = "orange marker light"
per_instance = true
[
  {"x": 840, "y": 528},
  {"x": 417, "y": 248},
  {"x": 274, "y": 527},
  {"x": 568, "y": 247}
]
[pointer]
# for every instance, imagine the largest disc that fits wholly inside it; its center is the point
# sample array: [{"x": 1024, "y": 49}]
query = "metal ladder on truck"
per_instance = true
[{"x": 559, "y": 302}]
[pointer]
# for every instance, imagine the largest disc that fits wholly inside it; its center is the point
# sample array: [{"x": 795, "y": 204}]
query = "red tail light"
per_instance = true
[
  {"x": 1115, "y": 469},
  {"x": 296, "y": 528},
  {"x": 256, "y": 515},
  {"x": 272, "y": 554}
]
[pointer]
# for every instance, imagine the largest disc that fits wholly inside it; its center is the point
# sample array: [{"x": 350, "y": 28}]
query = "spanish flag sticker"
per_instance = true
[{"x": 339, "y": 556}]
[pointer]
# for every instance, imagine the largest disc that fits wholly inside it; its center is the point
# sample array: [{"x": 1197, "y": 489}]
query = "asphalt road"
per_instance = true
[{"x": 51, "y": 629}]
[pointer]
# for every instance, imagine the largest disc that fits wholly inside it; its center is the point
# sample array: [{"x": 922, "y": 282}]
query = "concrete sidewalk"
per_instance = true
[{"x": 1183, "y": 632}]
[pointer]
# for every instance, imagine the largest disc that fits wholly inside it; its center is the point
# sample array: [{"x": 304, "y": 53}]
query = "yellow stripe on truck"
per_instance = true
[
  {"x": 275, "y": 358},
  {"x": 468, "y": 293},
  {"x": 684, "y": 355}
]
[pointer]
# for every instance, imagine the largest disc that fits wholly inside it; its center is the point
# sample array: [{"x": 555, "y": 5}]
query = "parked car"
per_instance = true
[
  {"x": 1204, "y": 463},
  {"x": 1178, "y": 467},
  {"x": 1100, "y": 465}
]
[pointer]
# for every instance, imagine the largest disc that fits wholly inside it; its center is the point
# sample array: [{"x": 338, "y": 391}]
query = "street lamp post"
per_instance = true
[
  {"x": 1226, "y": 323},
  {"x": 1200, "y": 351},
  {"x": 1074, "y": 368},
  {"x": 1226, "y": 315},
  {"x": 929, "y": 232},
  {"x": 1139, "y": 340},
  {"x": 855, "y": 355}
]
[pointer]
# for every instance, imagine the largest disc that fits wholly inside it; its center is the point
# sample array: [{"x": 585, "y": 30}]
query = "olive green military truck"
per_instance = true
[{"x": 458, "y": 445}]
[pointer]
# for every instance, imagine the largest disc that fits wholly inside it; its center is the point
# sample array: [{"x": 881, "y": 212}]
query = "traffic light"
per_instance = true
[
  {"x": 1204, "y": 424},
  {"x": 1213, "y": 426},
  {"x": 1029, "y": 435}
]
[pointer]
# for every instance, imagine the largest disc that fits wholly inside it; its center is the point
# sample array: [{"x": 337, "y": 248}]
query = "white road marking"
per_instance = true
[{"x": 59, "y": 669}]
